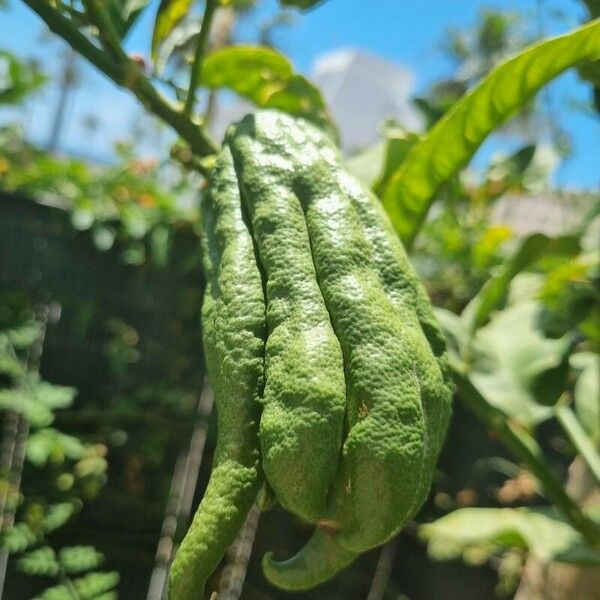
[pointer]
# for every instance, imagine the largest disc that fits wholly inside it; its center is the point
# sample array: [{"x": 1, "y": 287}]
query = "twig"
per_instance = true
[
  {"x": 384, "y": 569},
  {"x": 179, "y": 503},
  {"x": 127, "y": 75},
  {"x": 526, "y": 449},
  {"x": 209, "y": 11},
  {"x": 238, "y": 555}
]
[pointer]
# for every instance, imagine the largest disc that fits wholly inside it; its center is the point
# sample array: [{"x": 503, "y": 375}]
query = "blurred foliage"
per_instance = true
[
  {"x": 128, "y": 202},
  {"x": 18, "y": 78},
  {"x": 61, "y": 471},
  {"x": 476, "y": 533}
]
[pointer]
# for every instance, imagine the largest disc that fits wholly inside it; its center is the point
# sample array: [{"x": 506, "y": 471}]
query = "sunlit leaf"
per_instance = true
[
  {"x": 399, "y": 142},
  {"x": 17, "y": 78},
  {"x": 454, "y": 139},
  {"x": 57, "y": 515},
  {"x": 77, "y": 559},
  {"x": 515, "y": 367},
  {"x": 266, "y": 78},
  {"x": 486, "y": 248},
  {"x": 36, "y": 400},
  {"x": 18, "y": 538},
  {"x": 24, "y": 336},
  {"x": 49, "y": 443},
  {"x": 455, "y": 332},
  {"x": 298, "y": 96},
  {"x": 170, "y": 13},
  {"x": 587, "y": 392},
  {"x": 132, "y": 8},
  {"x": 50, "y": 395},
  {"x": 91, "y": 586},
  {"x": 542, "y": 531},
  {"x": 124, "y": 14},
  {"x": 579, "y": 438},
  {"x": 506, "y": 173},
  {"x": 494, "y": 292},
  {"x": 41, "y": 561},
  {"x": 56, "y": 592},
  {"x": 9, "y": 363},
  {"x": 22, "y": 402},
  {"x": 250, "y": 71},
  {"x": 177, "y": 42},
  {"x": 365, "y": 165}
]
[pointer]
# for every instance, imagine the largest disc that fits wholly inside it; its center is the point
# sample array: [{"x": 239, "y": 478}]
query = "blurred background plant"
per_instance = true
[{"x": 100, "y": 282}]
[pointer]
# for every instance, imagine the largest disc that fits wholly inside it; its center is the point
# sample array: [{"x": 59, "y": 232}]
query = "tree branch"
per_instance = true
[
  {"x": 106, "y": 31},
  {"x": 209, "y": 11},
  {"x": 128, "y": 75}
]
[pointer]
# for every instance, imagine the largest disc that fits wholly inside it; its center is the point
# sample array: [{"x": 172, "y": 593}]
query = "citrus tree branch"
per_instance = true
[
  {"x": 126, "y": 74},
  {"x": 106, "y": 31},
  {"x": 209, "y": 11}
]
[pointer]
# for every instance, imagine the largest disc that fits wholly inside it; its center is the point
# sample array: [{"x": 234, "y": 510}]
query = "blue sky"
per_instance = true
[{"x": 405, "y": 32}]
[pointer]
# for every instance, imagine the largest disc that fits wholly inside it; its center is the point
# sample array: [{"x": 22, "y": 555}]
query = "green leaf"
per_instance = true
[
  {"x": 57, "y": 592},
  {"x": 77, "y": 559},
  {"x": 365, "y": 165},
  {"x": 57, "y": 515},
  {"x": 17, "y": 79},
  {"x": 48, "y": 443},
  {"x": 21, "y": 401},
  {"x": 494, "y": 292},
  {"x": 587, "y": 392},
  {"x": 91, "y": 586},
  {"x": 124, "y": 14},
  {"x": 24, "y": 336},
  {"x": 18, "y": 538},
  {"x": 579, "y": 438},
  {"x": 456, "y": 334},
  {"x": 177, "y": 43},
  {"x": 399, "y": 143},
  {"x": 265, "y": 77},
  {"x": 36, "y": 400},
  {"x": 132, "y": 9},
  {"x": 41, "y": 561},
  {"x": 9, "y": 363},
  {"x": 515, "y": 367},
  {"x": 542, "y": 531},
  {"x": 49, "y": 395},
  {"x": 507, "y": 172},
  {"x": 301, "y": 4},
  {"x": 453, "y": 140},
  {"x": 170, "y": 13}
]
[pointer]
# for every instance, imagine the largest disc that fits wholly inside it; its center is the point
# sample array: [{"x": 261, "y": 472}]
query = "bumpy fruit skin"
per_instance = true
[
  {"x": 234, "y": 330},
  {"x": 300, "y": 255},
  {"x": 305, "y": 393},
  {"x": 397, "y": 389}
]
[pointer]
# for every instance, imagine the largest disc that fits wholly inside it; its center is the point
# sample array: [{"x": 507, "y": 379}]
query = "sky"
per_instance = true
[{"x": 404, "y": 32}]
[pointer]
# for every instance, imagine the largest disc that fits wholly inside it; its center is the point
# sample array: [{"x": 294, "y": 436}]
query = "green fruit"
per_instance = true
[
  {"x": 305, "y": 394},
  {"x": 233, "y": 319},
  {"x": 357, "y": 391},
  {"x": 398, "y": 392}
]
